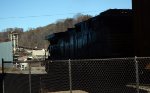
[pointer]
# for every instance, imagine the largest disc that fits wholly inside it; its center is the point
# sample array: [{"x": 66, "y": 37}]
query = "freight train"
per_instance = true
[{"x": 107, "y": 35}]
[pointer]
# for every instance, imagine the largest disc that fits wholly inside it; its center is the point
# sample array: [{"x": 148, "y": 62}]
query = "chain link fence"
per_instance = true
[{"x": 113, "y": 75}]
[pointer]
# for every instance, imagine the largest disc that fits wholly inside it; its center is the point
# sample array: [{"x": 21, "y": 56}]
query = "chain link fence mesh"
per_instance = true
[{"x": 113, "y": 75}]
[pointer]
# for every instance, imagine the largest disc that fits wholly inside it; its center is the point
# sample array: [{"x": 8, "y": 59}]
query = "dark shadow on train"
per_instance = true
[{"x": 107, "y": 35}]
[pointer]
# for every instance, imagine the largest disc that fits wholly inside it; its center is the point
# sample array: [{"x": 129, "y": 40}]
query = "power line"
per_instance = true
[{"x": 35, "y": 16}]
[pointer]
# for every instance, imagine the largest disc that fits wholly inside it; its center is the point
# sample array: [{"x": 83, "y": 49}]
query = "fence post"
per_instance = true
[
  {"x": 3, "y": 75},
  {"x": 70, "y": 77},
  {"x": 137, "y": 74},
  {"x": 29, "y": 77},
  {"x": 41, "y": 88}
]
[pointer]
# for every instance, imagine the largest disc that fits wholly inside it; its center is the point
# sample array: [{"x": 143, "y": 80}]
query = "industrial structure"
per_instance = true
[
  {"x": 13, "y": 36},
  {"x": 106, "y": 35},
  {"x": 141, "y": 27}
]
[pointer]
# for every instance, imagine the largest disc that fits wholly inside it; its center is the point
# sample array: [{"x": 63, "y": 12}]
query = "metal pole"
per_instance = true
[
  {"x": 45, "y": 54},
  {"x": 40, "y": 85},
  {"x": 29, "y": 77},
  {"x": 137, "y": 74},
  {"x": 3, "y": 75},
  {"x": 70, "y": 77}
]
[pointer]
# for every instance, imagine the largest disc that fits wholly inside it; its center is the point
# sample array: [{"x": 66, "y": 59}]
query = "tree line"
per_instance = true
[{"x": 35, "y": 37}]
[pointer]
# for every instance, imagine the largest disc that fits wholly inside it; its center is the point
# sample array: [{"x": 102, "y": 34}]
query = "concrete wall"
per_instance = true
[{"x": 38, "y": 54}]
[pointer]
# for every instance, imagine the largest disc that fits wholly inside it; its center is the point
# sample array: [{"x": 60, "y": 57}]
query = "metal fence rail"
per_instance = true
[{"x": 112, "y": 75}]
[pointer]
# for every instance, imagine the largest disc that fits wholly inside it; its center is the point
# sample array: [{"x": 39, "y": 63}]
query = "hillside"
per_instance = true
[{"x": 35, "y": 37}]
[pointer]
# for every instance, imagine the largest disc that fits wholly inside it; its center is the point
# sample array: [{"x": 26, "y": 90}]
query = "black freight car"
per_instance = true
[{"x": 107, "y": 35}]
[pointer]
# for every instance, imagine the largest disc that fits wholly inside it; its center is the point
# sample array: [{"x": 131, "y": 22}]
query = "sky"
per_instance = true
[{"x": 28, "y": 14}]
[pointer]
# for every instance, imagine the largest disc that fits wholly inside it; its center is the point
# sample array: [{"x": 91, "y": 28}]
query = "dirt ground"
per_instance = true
[
  {"x": 34, "y": 70},
  {"x": 74, "y": 91}
]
